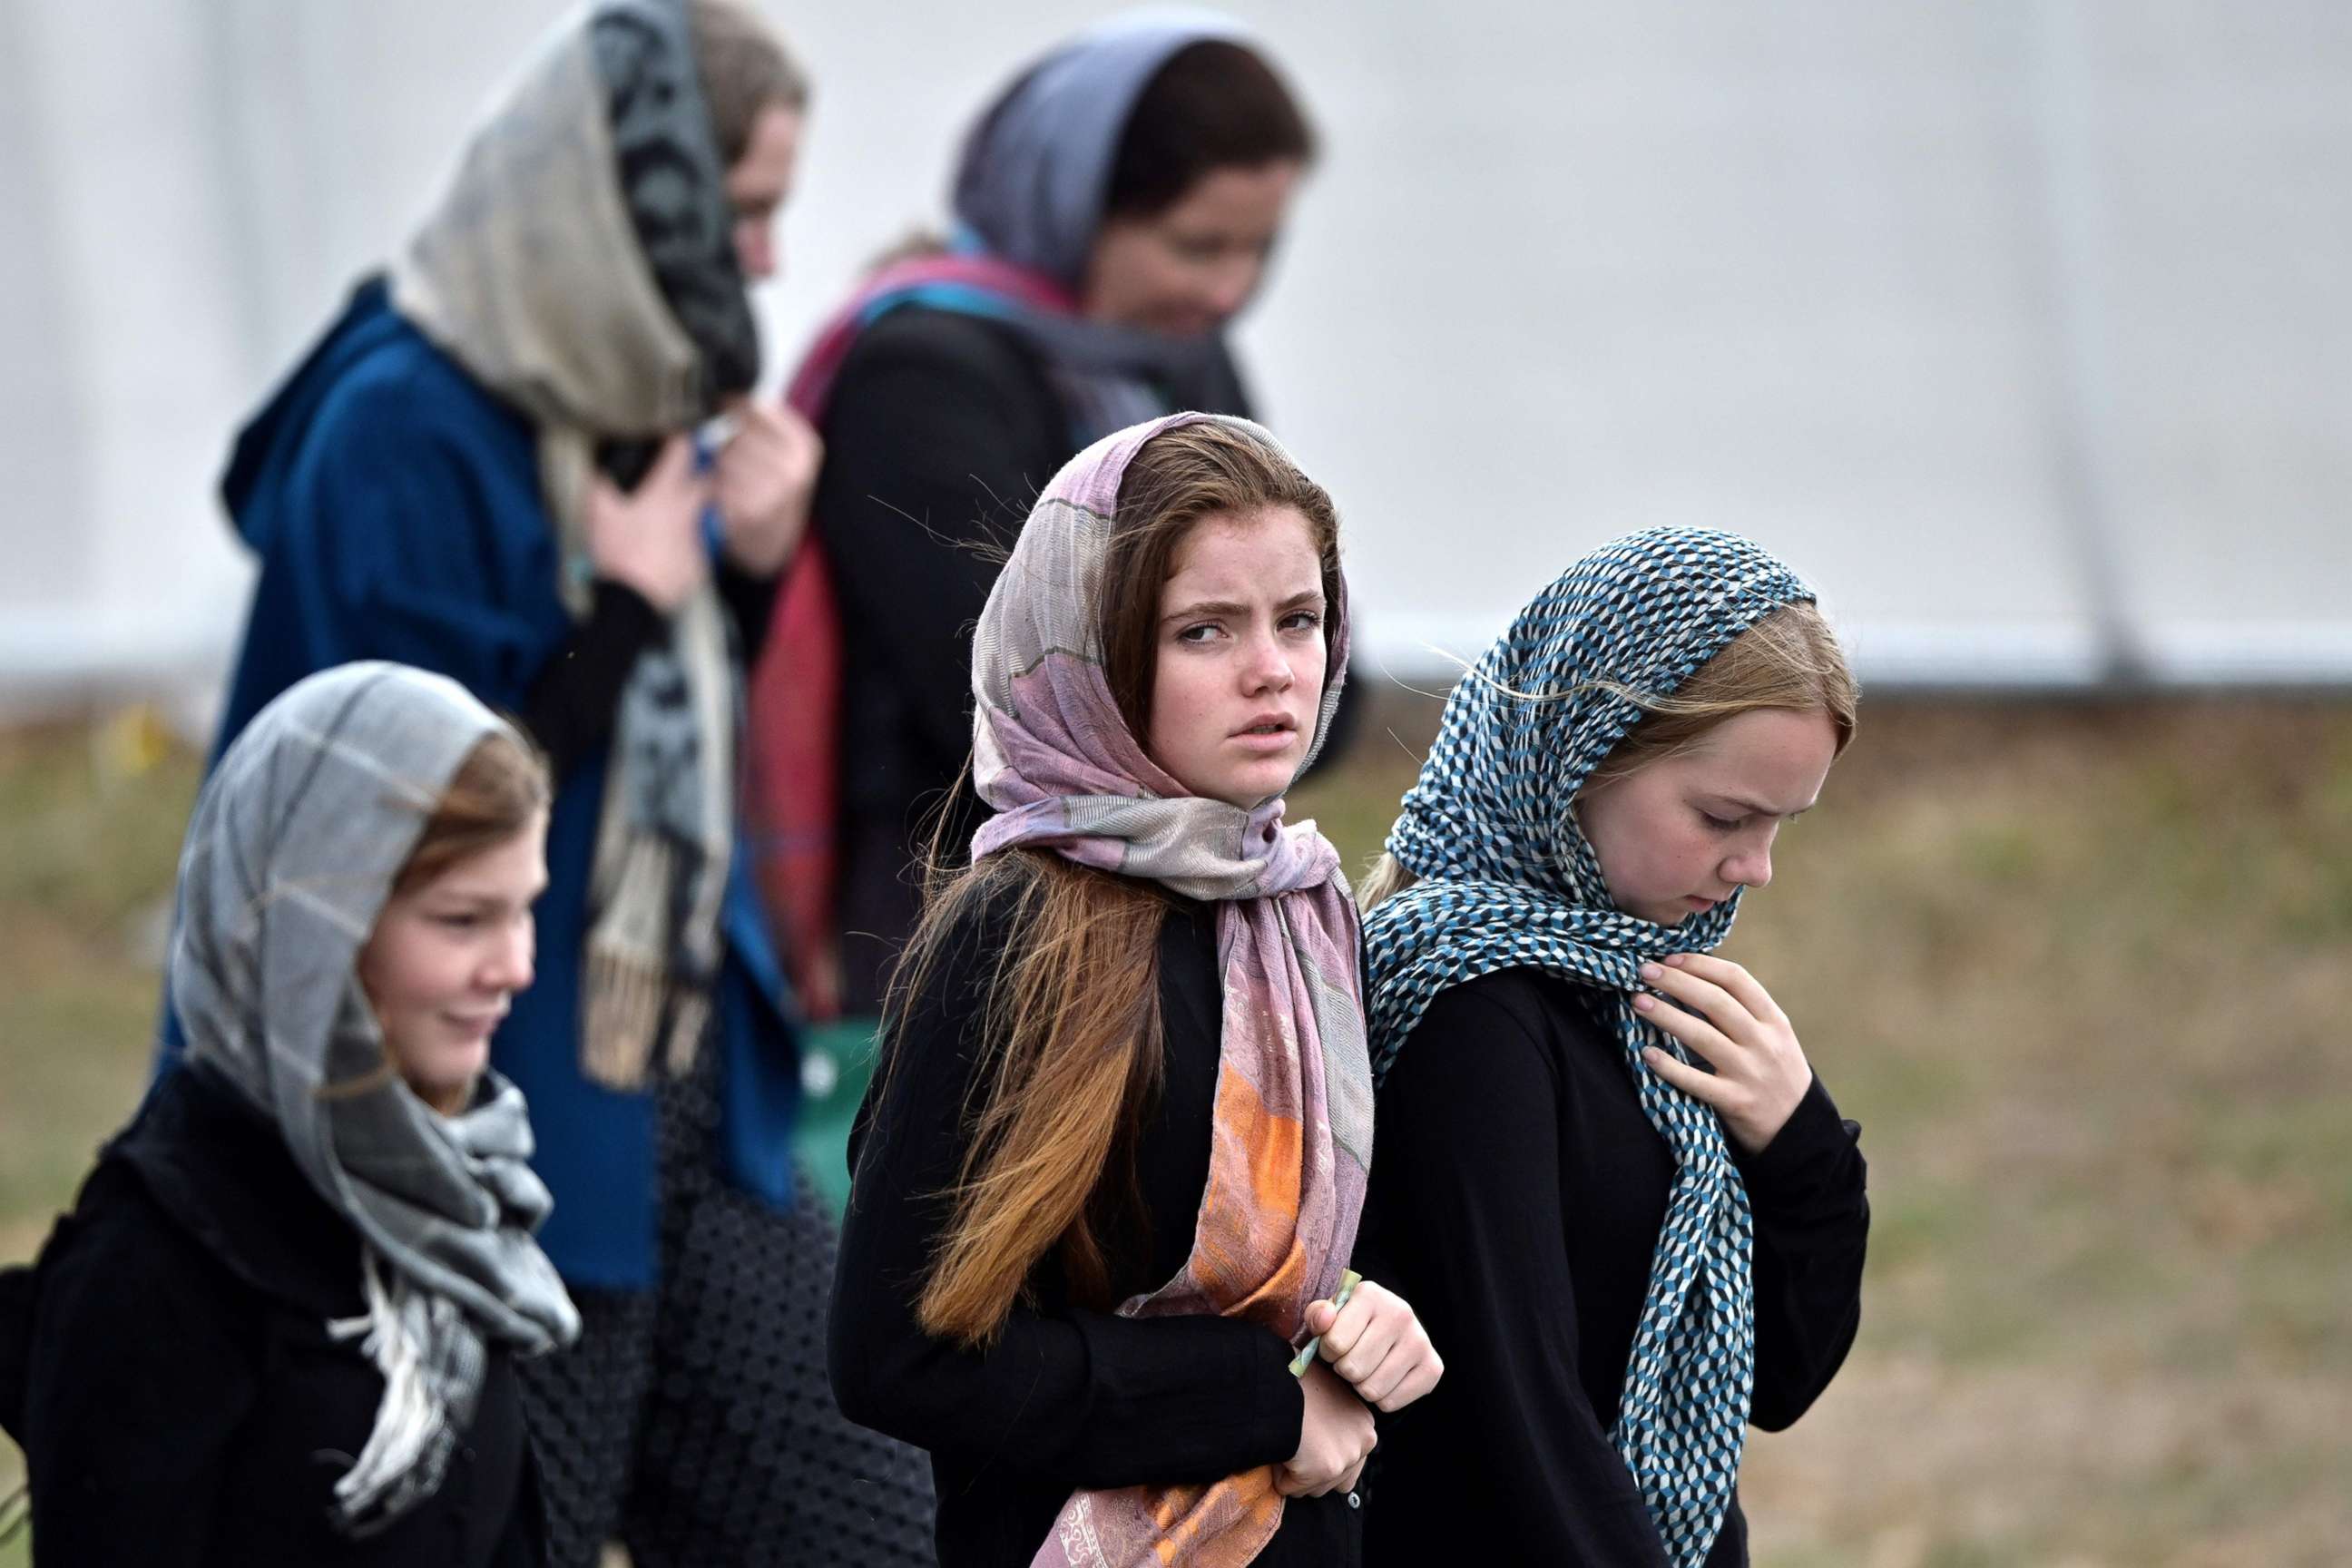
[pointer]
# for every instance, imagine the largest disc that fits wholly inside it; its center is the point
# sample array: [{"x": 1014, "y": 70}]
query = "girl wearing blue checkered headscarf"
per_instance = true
[{"x": 1608, "y": 1179}]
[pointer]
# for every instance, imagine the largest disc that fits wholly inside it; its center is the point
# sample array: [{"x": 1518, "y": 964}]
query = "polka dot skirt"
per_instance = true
[{"x": 695, "y": 1424}]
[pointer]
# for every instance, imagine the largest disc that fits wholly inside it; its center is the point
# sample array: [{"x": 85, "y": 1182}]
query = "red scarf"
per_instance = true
[{"x": 792, "y": 802}]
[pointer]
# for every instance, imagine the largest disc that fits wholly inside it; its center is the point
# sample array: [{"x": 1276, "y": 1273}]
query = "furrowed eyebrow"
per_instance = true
[
  {"x": 1309, "y": 597},
  {"x": 1205, "y": 607}
]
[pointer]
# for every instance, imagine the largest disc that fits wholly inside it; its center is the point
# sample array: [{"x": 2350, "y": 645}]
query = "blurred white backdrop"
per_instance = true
[{"x": 2021, "y": 328}]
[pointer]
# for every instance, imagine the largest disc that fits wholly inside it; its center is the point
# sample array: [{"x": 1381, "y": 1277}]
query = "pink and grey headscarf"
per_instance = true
[{"x": 1294, "y": 1108}]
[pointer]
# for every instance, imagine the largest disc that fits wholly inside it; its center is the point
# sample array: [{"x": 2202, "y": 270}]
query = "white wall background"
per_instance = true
[{"x": 2021, "y": 327}]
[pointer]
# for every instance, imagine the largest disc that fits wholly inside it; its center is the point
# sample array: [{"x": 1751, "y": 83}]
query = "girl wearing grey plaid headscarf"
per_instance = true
[{"x": 338, "y": 1000}]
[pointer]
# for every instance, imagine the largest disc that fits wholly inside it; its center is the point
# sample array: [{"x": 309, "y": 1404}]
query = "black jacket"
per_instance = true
[
  {"x": 941, "y": 430},
  {"x": 1068, "y": 1397},
  {"x": 1516, "y": 1195},
  {"x": 183, "y": 1402}
]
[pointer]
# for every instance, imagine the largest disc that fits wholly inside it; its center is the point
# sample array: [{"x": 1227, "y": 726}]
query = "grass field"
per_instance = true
[{"x": 2082, "y": 972}]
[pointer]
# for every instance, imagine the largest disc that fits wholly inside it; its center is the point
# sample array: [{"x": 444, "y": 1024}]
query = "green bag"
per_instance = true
[{"x": 836, "y": 1063}]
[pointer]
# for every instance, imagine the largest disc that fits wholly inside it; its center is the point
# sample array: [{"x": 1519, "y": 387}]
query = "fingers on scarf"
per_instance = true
[
  {"x": 1391, "y": 1362},
  {"x": 1405, "y": 1376},
  {"x": 1735, "y": 979},
  {"x": 1725, "y": 1011},
  {"x": 673, "y": 464},
  {"x": 1697, "y": 1033},
  {"x": 1703, "y": 1087},
  {"x": 1347, "y": 1331},
  {"x": 1374, "y": 1335}
]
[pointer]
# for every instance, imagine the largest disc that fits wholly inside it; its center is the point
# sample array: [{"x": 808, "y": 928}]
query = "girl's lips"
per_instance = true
[{"x": 1265, "y": 743}]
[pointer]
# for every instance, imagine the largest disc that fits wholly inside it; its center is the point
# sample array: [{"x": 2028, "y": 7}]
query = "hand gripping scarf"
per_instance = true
[
  {"x": 1294, "y": 1127},
  {"x": 582, "y": 266},
  {"x": 290, "y": 855},
  {"x": 1508, "y": 881}
]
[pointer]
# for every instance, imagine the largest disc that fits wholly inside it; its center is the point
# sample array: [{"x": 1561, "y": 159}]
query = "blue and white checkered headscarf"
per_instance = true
[{"x": 1507, "y": 881}]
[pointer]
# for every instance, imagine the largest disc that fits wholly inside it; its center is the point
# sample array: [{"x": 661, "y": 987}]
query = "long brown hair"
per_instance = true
[
  {"x": 1070, "y": 1028},
  {"x": 1788, "y": 659}
]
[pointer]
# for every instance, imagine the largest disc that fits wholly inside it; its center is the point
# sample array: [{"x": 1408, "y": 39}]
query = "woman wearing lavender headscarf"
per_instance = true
[
  {"x": 1114, "y": 208},
  {"x": 1111, "y": 1172}
]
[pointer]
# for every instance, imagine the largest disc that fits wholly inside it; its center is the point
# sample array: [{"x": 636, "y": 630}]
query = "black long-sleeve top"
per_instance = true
[
  {"x": 941, "y": 430},
  {"x": 1066, "y": 1397},
  {"x": 1516, "y": 1195}
]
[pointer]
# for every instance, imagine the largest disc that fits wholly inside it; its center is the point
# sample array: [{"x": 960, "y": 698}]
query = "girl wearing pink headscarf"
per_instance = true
[{"x": 1109, "y": 1174}]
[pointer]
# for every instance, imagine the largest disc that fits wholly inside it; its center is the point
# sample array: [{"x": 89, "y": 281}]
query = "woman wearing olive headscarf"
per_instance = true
[{"x": 485, "y": 468}]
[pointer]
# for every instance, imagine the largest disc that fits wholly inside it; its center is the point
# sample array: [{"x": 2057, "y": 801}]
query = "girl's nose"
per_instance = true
[
  {"x": 1267, "y": 669},
  {"x": 509, "y": 965},
  {"x": 1750, "y": 867}
]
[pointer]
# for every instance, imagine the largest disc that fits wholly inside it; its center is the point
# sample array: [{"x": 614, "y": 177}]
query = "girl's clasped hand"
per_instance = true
[
  {"x": 1374, "y": 1354},
  {"x": 1723, "y": 1015},
  {"x": 1376, "y": 1344}
]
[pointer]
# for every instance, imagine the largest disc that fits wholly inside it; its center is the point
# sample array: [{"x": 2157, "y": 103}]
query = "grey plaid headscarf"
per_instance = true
[{"x": 290, "y": 855}]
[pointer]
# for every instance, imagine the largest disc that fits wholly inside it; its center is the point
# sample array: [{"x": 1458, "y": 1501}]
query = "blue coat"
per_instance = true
[{"x": 394, "y": 505}]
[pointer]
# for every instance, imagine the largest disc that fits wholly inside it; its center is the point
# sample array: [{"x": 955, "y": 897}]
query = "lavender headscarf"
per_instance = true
[
  {"x": 1029, "y": 191},
  {"x": 1037, "y": 167},
  {"x": 1055, "y": 759}
]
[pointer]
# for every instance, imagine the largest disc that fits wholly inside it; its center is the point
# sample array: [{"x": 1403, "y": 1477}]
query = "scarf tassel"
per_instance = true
[
  {"x": 625, "y": 999},
  {"x": 622, "y": 1012},
  {"x": 400, "y": 1459}
]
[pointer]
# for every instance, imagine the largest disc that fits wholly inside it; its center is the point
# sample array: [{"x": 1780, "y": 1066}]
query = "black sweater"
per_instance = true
[
  {"x": 1516, "y": 1193},
  {"x": 1066, "y": 1397},
  {"x": 941, "y": 430},
  {"x": 184, "y": 1403}
]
